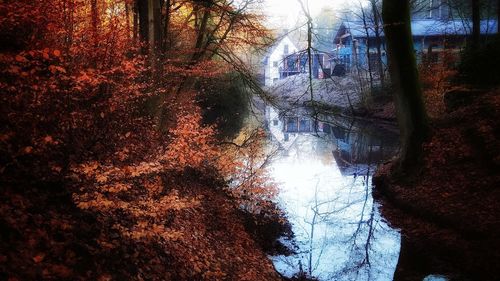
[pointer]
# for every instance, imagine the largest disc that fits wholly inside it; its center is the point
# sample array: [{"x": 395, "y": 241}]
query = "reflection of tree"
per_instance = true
[
  {"x": 345, "y": 220},
  {"x": 362, "y": 236}
]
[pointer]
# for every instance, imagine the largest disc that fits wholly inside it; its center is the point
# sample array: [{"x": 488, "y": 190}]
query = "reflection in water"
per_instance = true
[{"x": 325, "y": 187}]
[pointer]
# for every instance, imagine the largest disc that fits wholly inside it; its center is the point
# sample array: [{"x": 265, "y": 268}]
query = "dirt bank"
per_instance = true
[
  {"x": 448, "y": 212},
  {"x": 45, "y": 236}
]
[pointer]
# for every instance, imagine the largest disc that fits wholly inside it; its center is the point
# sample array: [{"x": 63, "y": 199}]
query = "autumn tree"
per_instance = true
[
  {"x": 411, "y": 114},
  {"x": 82, "y": 153}
]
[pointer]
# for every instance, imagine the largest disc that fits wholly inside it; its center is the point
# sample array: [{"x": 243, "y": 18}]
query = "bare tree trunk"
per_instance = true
[
  {"x": 142, "y": 9},
  {"x": 69, "y": 10},
  {"x": 476, "y": 22},
  {"x": 498, "y": 16},
  {"x": 127, "y": 16},
  {"x": 136, "y": 22},
  {"x": 201, "y": 29},
  {"x": 378, "y": 41},
  {"x": 154, "y": 29},
  {"x": 412, "y": 117},
  {"x": 167, "y": 25},
  {"x": 307, "y": 14},
  {"x": 95, "y": 22},
  {"x": 370, "y": 73},
  {"x": 150, "y": 28}
]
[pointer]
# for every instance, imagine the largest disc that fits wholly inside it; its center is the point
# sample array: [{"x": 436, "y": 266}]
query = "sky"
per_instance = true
[{"x": 286, "y": 13}]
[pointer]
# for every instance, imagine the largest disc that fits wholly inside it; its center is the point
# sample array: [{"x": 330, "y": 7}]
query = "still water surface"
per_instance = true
[{"x": 324, "y": 172}]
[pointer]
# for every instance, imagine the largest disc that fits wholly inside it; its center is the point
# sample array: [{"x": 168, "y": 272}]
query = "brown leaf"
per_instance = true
[
  {"x": 39, "y": 258},
  {"x": 21, "y": 59},
  {"x": 61, "y": 271}
]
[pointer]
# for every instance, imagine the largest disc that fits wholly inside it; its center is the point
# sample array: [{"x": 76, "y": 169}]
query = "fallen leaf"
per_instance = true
[
  {"x": 39, "y": 258},
  {"x": 21, "y": 59}
]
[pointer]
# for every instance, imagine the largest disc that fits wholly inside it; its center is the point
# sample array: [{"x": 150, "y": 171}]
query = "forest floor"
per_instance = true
[
  {"x": 448, "y": 212},
  {"x": 45, "y": 235}
]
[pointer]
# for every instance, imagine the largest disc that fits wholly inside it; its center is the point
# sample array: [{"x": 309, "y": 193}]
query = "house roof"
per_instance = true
[
  {"x": 427, "y": 27},
  {"x": 276, "y": 44}
]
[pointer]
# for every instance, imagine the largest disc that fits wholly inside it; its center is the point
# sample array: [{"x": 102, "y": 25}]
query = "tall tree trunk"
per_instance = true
[
  {"x": 127, "y": 16},
  {"x": 142, "y": 9},
  {"x": 69, "y": 10},
  {"x": 167, "y": 26},
  {"x": 378, "y": 41},
  {"x": 412, "y": 117},
  {"x": 201, "y": 30},
  {"x": 135, "y": 22},
  {"x": 367, "y": 31},
  {"x": 95, "y": 22},
  {"x": 150, "y": 27},
  {"x": 476, "y": 22},
  {"x": 154, "y": 31}
]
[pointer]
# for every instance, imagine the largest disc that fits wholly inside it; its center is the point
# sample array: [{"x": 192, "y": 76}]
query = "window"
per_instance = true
[
  {"x": 285, "y": 49},
  {"x": 275, "y": 64},
  {"x": 291, "y": 124},
  {"x": 304, "y": 125},
  {"x": 275, "y": 122}
]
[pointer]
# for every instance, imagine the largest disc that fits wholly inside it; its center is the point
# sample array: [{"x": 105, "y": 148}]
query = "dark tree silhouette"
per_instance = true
[
  {"x": 411, "y": 114},
  {"x": 476, "y": 22}
]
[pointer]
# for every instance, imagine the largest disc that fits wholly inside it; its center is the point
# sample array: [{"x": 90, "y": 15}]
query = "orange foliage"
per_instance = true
[
  {"x": 436, "y": 82},
  {"x": 192, "y": 144},
  {"x": 75, "y": 111}
]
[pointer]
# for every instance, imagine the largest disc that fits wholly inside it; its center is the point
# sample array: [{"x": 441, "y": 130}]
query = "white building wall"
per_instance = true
[{"x": 275, "y": 60}]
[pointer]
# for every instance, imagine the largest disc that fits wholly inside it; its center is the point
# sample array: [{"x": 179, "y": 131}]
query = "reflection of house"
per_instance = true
[
  {"x": 355, "y": 147},
  {"x": 285, "y": 60},
  {"x": 285, "y": 129},
  {"x": 297, "y": 124}
]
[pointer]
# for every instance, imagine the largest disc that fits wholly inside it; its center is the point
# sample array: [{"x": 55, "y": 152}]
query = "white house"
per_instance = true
[{"x": 275, "y": 59}]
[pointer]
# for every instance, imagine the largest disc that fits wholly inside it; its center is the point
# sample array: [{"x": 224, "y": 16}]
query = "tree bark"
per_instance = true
[
  {"x": 95, "y": 35},
  {"x": 154, "y": 26},
  {"x": 367, "y": 31},
  {"x": 378, "y": 41},
  {"x": 411, "y": 114},
  {"x": 150, "y": 29},
  {"x": 127, "y": 16},
  {"x": 95, "y": 22},
  {"x": 136, "y": 22},
  {"x": 476, "y": 22},
  {"x": 167, "y": 26},
  {"x": 201, "y": 30},
  {"x": 142, "y": 9}
]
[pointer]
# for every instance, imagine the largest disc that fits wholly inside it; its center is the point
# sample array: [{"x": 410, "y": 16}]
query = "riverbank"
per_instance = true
[
  {"x": 448, "y": 211},
  {"x": 332, "y": 96},
  {"x": 46, "y": 235}
]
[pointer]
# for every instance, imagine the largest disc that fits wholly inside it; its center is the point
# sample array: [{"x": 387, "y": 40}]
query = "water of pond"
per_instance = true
[{"x": 324, "y": 171}]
